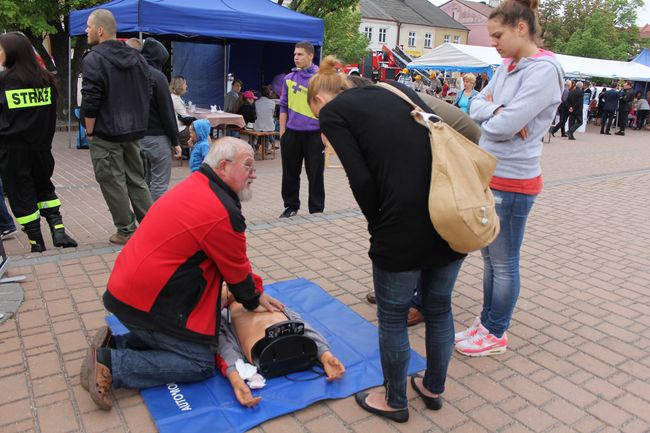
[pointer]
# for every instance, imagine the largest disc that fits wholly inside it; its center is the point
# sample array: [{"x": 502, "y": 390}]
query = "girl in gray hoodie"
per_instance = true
[{"x": 514, "y": 113}]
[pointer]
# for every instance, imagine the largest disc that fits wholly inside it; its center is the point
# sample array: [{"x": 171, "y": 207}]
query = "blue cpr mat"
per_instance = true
[{"x": 211, "y": 405}]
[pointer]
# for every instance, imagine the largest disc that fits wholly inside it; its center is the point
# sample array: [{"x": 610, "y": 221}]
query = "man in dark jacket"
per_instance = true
[
  {"x": 574, "y": 107},
  {"x": 162, "y": 132},
  {"x": 115, "y": 109},
  {"x": 609, "y": 109},
  {"x": 562, "y": 111},
  {"x": 624, "y": 106},
  {"x": 167, "y": 281}
]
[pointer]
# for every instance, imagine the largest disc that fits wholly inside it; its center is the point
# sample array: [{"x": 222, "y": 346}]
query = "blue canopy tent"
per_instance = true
[
  {"x": 643, "y": 58},
  {"x": 251, "y": 38}
]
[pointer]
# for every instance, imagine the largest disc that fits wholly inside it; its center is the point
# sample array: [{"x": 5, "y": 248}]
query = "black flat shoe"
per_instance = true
[
  {"x": 401, "y": 415},
  {"x": 433, "y": 403}
]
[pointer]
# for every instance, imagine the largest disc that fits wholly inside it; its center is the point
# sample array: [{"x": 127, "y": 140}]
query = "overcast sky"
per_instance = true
[{"x": 643, "y": 14}]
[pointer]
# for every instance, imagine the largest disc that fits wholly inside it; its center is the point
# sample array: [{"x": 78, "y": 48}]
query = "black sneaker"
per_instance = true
[
  {"x": 288, "y": 213},
  {"x": 8, "y": 233}
]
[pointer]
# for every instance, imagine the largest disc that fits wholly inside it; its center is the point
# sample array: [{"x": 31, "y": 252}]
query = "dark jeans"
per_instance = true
[
  {"x": 146, "y": 358},
  {"x": 294, "y": 147},
  {"x": 394, "y": 291},
  {"x": 608, "y": 116},
  {"x": 501, "y": 281}
]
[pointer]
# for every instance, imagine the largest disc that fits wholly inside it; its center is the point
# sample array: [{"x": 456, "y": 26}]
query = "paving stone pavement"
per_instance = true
[{"x": 579, "y": 349}]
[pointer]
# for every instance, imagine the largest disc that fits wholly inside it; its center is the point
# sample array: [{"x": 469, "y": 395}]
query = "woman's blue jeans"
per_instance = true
[
  {"x": 394, "y": 291},
  {"x": 501, "y": 281}
]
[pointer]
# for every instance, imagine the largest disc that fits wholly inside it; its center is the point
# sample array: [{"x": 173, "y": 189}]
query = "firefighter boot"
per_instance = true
[
  {"x": 59, "y": 237},
  {"x": 33, "y": 231}
]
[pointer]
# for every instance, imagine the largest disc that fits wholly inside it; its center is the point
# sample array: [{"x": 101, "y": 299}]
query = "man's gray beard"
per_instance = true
[{"x": 245, "y": 194}]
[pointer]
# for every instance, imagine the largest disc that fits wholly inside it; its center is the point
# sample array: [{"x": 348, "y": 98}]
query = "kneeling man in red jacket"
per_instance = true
[{"x": 166, "y": 283}]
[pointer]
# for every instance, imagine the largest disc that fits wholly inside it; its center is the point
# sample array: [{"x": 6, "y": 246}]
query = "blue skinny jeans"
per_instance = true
[{"x": 501, "y": 281}]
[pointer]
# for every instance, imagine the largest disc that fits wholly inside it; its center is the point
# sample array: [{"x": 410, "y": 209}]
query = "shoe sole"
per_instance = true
[
  {"x": 100, "y": 340},
  {"x": 91, "y": 359},
  {"x": 490, "y": 352}
]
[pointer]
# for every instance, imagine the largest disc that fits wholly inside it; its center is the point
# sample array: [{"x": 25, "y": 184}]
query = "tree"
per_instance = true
[
  {"x": 594, "y": 28},
  {"x": 598, "y": 39},
  {"x": 38, "y": 19},
  {"x": 342, "y": 20}
]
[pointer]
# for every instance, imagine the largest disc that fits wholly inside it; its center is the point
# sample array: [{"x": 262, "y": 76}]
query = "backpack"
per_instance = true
[{"x": 461, "y": 205}]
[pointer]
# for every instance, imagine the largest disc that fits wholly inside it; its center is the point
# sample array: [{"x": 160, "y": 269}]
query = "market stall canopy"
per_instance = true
[
  {"x": 458, "y": 57},
  {"x": 471, "y": 58},
  {"x": 259, "y": 20},
  {"x": 585, "y": 67}
]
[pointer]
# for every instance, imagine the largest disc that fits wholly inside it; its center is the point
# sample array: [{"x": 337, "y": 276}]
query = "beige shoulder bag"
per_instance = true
[{"x": 461, "y": 205}]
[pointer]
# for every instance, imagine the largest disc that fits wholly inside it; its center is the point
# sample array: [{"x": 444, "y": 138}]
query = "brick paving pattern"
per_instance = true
[{"x": 579, "y": 350}]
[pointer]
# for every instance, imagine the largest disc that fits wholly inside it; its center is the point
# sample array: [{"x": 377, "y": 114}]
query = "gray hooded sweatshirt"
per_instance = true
[{"x": 529, "y": 95}]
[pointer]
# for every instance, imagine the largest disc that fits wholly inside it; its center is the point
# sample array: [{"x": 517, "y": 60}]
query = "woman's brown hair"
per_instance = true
[
  {"x": 510, "y": 12},
  {"x": 176, "y": 86},
  {"x": 328, "y": 79}
]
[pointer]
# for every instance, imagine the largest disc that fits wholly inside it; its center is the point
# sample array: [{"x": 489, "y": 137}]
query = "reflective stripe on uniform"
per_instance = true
[
  {"x": 59, "y": 226},
  {"x": 49, "y": 203},
  {"x": 297, "y": 99},
  {"x": 28, "y": 218},
  {"x": 25, "y": 98}
]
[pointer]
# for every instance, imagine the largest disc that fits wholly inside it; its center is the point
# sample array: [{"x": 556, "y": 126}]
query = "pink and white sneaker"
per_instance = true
[
  {"x": 469, "y": 332},
  {"x": 483, "y": 344}
]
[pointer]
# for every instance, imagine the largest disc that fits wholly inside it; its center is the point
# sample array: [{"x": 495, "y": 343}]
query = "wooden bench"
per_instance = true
[{"x": 259, "y": 148}]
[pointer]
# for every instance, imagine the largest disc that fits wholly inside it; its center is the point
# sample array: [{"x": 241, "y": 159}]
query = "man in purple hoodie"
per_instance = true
[{"x": 300, "y": 136}]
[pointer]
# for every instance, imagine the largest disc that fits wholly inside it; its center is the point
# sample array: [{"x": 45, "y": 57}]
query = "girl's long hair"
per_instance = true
[{"x": 21, "y": 64}]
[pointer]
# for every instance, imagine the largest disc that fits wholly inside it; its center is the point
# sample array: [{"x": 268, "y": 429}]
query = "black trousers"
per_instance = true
[
  {"x": 26, "y": 176},
  {"x": 564, "y": 115},
  {"x": 622, "y": 118},
  {"x": 641, "y": 118},
  {"x": 608, "y": 116},
  {"x": 296, "y": 146},
  {"x": 575, "y": 120}
]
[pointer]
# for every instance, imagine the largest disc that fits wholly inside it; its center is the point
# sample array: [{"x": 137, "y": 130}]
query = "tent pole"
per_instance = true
[
  {"x": 69, "y": 92},
  {"x": 226, "y": 60},
  {"x": 140, "y": 36}
]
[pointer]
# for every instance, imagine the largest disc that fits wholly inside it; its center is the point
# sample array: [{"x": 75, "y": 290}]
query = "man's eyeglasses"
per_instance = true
[{"x": 249, "y": 167}]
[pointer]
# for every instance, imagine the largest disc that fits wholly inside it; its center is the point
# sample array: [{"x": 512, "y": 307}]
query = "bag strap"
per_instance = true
[{"x": 420, "y": 116}]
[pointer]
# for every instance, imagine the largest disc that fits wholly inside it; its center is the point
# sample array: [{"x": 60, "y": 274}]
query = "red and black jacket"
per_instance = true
[{"x": 168, "y": 276}]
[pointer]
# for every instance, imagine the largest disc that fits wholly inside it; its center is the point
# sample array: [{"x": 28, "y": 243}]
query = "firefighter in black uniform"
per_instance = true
[{"x": 27, "y": 122}]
